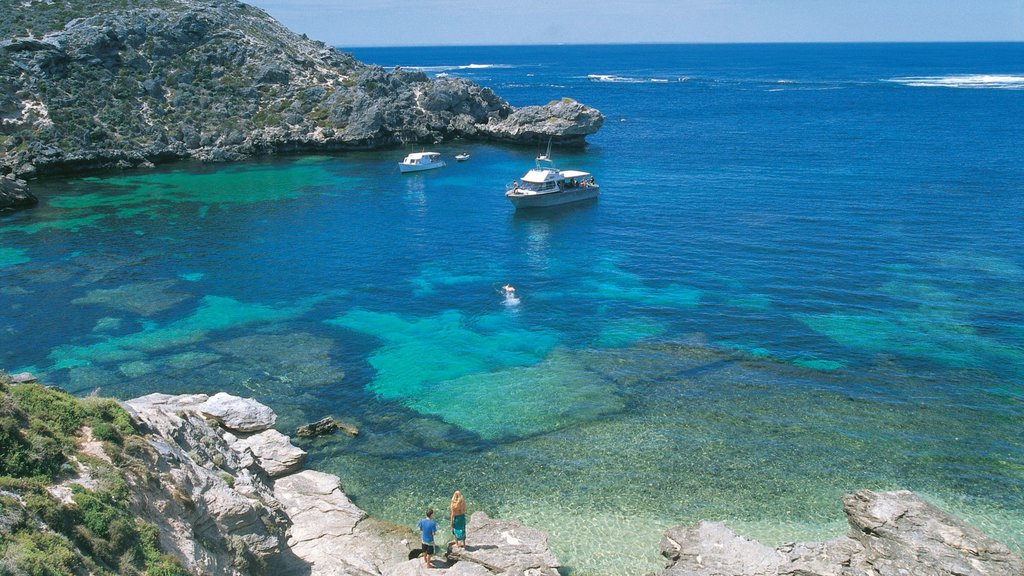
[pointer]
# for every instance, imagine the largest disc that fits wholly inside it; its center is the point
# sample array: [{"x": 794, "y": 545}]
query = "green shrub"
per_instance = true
[
  {"x": 108, "y": 410},
  {"x": 57, "y": 410},
  {"x": 42, "y": 554}
]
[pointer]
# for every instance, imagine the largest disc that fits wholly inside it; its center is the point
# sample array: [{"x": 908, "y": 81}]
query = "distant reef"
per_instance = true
[{"x": 90, "y": 85}]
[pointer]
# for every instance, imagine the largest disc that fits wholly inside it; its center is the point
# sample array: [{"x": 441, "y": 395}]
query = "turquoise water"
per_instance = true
[{"x": 803, "y": 277}]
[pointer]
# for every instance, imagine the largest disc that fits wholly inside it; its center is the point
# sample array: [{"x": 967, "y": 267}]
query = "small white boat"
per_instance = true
[
  {"x": 418, "y": 161},
  {"x": 462, "y": 157},
  {"x": 546, "y": 185}
]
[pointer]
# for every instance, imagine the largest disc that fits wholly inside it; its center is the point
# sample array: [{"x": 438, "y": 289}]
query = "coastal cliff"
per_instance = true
[{"x": 86, "y": 85}]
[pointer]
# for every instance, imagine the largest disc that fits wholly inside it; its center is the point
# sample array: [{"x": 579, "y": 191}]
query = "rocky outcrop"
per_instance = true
[
  {"x": 238, "y": 414},
  {"x": 505, "y": 547},
  {"x": 230, "y": 502},
  {"x": 118, "y": 85},
  {"x": 214, "y": 505},
  {"x": 891, "y": 533},
  {"x": 14, "y": 194},
  {"x": 332, "y": 534}
]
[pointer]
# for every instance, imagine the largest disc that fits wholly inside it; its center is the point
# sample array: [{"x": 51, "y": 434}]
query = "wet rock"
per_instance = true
[
  {"x": 325, "y": 426},
  {"x": 238, "y": 414},
  {"x": 14, "y": 194},
  {"x": 319, "y": 428},
  {"x": 891, "y": 533}
]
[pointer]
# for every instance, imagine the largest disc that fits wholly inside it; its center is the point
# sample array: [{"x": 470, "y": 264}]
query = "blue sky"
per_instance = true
[{"x": 445, "y": 22}]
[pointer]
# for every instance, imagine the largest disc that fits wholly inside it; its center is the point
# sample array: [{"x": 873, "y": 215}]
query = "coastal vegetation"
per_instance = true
[{"x": 50, "y": 521}]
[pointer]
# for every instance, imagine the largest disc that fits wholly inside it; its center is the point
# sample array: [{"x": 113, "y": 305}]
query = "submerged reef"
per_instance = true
[{"x": 86, "y": 85}]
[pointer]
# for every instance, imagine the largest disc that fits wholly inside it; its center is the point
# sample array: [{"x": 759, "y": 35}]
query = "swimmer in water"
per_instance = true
[{"x": 508, "y": 290}]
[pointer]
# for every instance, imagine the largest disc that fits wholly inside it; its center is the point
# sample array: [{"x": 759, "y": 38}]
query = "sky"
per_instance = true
[{"x": 359, "y": 23}]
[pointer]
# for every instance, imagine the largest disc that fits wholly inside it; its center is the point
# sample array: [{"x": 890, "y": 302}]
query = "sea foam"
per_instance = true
[{"x": 999, "y": 81}]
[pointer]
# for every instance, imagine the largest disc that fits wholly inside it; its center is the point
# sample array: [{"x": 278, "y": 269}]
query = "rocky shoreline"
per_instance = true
[
  {"x": 226, "y": 476},
  {"x": 244, "y": 482},
  {"x": 87, "y": 86}
]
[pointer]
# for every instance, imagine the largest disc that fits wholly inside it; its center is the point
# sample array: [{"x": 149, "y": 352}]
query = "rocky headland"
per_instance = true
[{"x": 91, "y": 85}]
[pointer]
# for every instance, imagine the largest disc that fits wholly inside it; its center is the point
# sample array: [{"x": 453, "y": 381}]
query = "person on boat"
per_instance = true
[
  {"x": 458, "y": 514},
  {"x": 428, "y": 528},
  {"x": 515, "y": 185}
]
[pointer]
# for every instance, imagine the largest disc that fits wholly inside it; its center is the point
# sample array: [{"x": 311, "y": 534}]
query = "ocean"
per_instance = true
[{"x": 804, "y": 276}]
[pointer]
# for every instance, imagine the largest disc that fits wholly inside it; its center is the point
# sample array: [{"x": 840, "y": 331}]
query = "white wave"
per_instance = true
[
  {"x": 484, "y": 66},
  {"x": 999, "y": 81},
  {"x": 449, "y": 67},
  {"x": 629, "y": 79},
  {"x": 612, "y": 78}
]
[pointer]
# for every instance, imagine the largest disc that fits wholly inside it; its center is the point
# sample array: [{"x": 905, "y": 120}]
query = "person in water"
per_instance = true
[
  {"x": 509, "y": 291},
  {"x": 458, "y": 512},
  {"x": 428, "y": 528}
]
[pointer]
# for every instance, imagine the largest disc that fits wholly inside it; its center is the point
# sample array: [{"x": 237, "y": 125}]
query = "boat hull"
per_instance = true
[
  {"x": 406, "y": 168},
  {"x": 524, "y": 201}
]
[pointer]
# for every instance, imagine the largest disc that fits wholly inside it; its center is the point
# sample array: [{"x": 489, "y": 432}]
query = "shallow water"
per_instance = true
[{"x": 803, "y": 277}]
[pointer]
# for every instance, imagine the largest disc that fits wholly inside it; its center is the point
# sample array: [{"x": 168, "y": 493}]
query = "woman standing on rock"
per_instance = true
[{"x": 458, "y": 512}]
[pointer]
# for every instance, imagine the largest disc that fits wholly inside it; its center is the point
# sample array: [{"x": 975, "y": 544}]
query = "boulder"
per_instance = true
[
  {"x": 325, "y": 426},
  {"x": 23, "y": 378},
  {"x": 14, "y": 194},
  {"x": 238, "y": 414},
  {"x": 274, "y": 452},
  {"x": 319, "y": 428},
  {"x": 891, "y": 534}
]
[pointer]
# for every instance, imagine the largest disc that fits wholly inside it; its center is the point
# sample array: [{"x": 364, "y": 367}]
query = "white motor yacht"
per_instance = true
[
  {"x": 546, "y": 185},
  {"x": 418, "y": 161}
]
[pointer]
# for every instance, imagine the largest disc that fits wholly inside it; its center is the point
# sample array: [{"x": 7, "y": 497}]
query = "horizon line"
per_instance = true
[{"x": 733, "y": 43}]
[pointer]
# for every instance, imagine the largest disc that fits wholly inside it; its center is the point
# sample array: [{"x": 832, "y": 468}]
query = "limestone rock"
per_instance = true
[
  {"x": 238, "y": 414},
  {"x": 503, "y": 546},
  {"x": 902, "y": 533},
  {"x": 891, "y": 534},
  {"x": 156, "y": 71},
  {"x": 23, "y": 378},
  {"x": 185, "y": 490},
  {"x": 274, "y": 452},
  {"x": 332, "y": 534},
  {"x": 562, "y": 121},
  {"x": 711, "y": 549}
]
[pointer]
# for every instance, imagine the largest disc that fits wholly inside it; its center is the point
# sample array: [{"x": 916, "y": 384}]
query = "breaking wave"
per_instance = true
[
  {"x": 998, "y": 81},
  {"x": 632, "y": 80}
]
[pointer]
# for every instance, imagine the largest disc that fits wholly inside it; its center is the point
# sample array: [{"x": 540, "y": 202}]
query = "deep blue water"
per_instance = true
[{"x": 804, "y": 276}]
